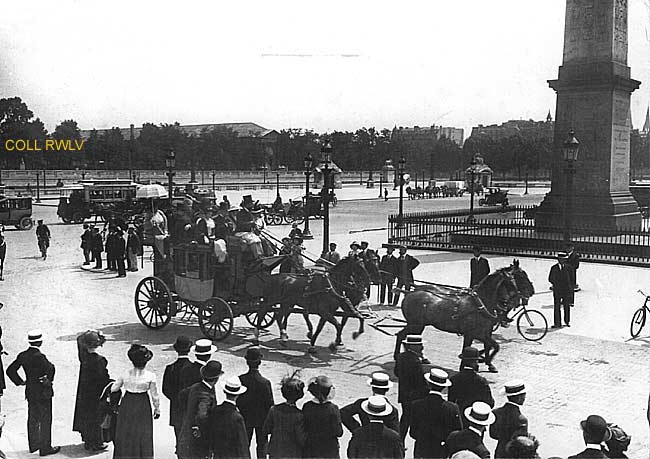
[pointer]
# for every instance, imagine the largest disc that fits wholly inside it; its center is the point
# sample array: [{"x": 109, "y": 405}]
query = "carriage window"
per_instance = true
[
  {"x": 4, "y": 204},
  {"x": 180, "y": 262},
  {"x": 193, "y": 265},
  {"x": 117, "y": 194}
]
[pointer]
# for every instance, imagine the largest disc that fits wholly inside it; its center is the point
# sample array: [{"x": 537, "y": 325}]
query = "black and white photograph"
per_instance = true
[{"x": 335, "y": 230}]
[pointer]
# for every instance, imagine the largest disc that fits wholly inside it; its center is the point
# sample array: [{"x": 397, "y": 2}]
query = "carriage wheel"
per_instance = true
[
  {"x": 288, "y": 218},
  {"x": 638, "y": 321},
  {"x": 268, "y": 219},
  {"x": 26, "y": 223},
  {"x": 532, "y": 325},
  {"x": 153, "y": 302},
  {"x": 276, "y": 219},
  {"x": 215, "y": 319},
  {"x": 267, "y": 320},
  {"x": 299, "y": 217}
]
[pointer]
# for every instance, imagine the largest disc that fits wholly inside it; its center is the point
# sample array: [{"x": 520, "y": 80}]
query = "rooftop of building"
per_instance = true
[{"x": 246, "y": 129}]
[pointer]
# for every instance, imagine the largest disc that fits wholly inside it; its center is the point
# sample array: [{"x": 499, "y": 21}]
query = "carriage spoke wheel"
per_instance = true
[
  {"x": 267, "y": 319},
  {"x": 276, "y": 219},
  {"x": 532, "y": 325},
  {"x": 153, "y": 302},
  {"x": 638, "y": 322},
  {"x": 215, "y": 319}
]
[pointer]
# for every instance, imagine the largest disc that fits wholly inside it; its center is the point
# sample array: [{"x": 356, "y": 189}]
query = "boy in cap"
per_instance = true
[
  {"x": 227, "y": 426},
  {"x": 479, "y": 416},
  {"x": 433, "y": 418},
  {"x": 172, "y": 384},
  {"x": 412, "y": 386},
  {"x": 39, "y": 375},
  {"x": 594, "y": 432},
  {"x": 509, "y": 422},
  {"x": 467, "y": 386},
  {"x": 375, "y": 439},
  {"x": 254, "y": 404},
  {"x": 560, "y": 279},
  {"x": 380, "y": 384}
]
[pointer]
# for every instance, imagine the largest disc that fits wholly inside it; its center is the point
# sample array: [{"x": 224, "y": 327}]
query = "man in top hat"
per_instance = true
[
  {"x": 478, "y": 416},
  {"x": 172, "y": 384},
  {"x": 199, "y": 400},
  {"x": 39, "y": 376},
  {"x": 412, "y": 386},
  {"x": 374, "y": 439},
  {"x": 433, "y": 418},
  {"x": 479, "y": 268},
  {"x": 227, "y": 426},
  {"x": 404, "y": 266},
  {"x": 380, "y": 384},
  {"x": 43, "y": 238},
  {"x": 509, "y": 422},
  {"x": 560, "y": 279},
  {"x": 387, "y": 273},
  {"x": 594, "y": 432},
  {"x": 467, "y": 386},
  {"x": 254, "y": 404}
]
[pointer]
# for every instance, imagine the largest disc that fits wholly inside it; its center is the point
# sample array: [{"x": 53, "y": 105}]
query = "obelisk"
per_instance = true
[{"x": 593, "y": 98}]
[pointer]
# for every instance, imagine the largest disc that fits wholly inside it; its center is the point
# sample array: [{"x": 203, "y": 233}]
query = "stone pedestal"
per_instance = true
[{"x": 593, "y": 98}]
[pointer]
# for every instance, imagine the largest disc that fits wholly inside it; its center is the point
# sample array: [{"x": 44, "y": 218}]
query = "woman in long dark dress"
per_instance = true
[
  {"x": 322, "y": 420},
  {"x": 93, "y": 378},
  {"x": 134, "y": 430}
]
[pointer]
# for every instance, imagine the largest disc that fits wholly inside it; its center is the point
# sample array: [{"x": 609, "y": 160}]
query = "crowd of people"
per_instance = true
[{"x": 118, "y": 247}]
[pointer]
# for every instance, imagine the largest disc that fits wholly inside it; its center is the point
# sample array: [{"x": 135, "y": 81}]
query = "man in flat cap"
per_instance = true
[
  {"x": 509, "y": 422},
  {"x": 562, "y": 285}
]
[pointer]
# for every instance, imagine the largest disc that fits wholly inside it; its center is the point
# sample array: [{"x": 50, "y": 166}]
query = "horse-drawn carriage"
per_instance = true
[
  {"x": 494, "y": 197},
  {"x": 102, "y": 199},
  {"x": 296, "y": 210}
]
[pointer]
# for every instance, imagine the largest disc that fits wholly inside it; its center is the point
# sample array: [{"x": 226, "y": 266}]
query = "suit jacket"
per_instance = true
[
  {"x": 404, "y": 268},
  {"x": 332, "y": 257},
  {"x": 589, "y": 453},
  {"x": 432, "y": 420},
  {"x": 509, "y": 423},
  {"x": 387, "y": 267},
  {"x": 172, "y": 385},
  {"x": 349, "y": 411},
  {"x": 468, "y": 387},
  {"x": 560, "y": 279},
  {"x": 199, "y": 400},
  {"x": 375, "y": 440},
  {"x": 479, "y": 268},
  {"x": 35, "y": 365},
  {"x": 190, "y": 374},
  {"x": 254, "y": 404},
  {"x": 466, "y": 439},
  {"x": 228, "y": 432},
  {"x": 573, "y": 260},
  {"x": 412, "y": 386}
]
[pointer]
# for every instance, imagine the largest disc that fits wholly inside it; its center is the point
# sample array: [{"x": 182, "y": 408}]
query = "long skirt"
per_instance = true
[{"x": 134, "y": 431}]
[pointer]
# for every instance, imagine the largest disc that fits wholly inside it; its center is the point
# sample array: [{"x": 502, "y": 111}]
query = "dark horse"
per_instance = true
[
  {"x": 471, "y": 313},
  {"x": 321, "y": 293}
]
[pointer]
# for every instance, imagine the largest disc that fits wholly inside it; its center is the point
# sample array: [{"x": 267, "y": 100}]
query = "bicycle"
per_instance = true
[
  {"x": 639, "y": 317},
  {"x": 531, "y": 324}
]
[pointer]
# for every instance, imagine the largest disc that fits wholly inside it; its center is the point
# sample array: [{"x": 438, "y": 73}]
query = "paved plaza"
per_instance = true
[{"x": 590, "y": 368}]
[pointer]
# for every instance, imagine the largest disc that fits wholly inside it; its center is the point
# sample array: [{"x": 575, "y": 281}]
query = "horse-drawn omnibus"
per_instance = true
[{"x": 97, "y": 198}]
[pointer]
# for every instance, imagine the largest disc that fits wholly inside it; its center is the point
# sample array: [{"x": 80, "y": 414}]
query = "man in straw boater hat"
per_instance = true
[
  {"x": 203, "y": 351},
  {"x": 478, "y": 416},
  {"x": 594, "y": 432},
  {"x": 39, "y": 375},
  {"x": 172, "y": 384},
  {"x": 409, "y": 371},
  {"x": 467, "y": 386},
  {"x": 380, "y": 384},
  {"x": 227, "y": 426},
  {"x": 509, "y": 421},
  {"x": 560, "y": 278},
  {"x": 433, "y": 418},
  {"x": 199, "y": 400},
  {"x": 375, "y": 439}
]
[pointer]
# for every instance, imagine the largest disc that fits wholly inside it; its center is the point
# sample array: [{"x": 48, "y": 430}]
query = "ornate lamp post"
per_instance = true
[
  {"x": 400, "y": 167},
  {"x": 170, "y": 162},
  {"x": 277, "y": 185},
  {"x": 214, "y": 187},
  {"x": 308, "y": 162},
  {"x": 570, "y": 149},
  {"x": 326, "y": 152},
  {"x": 472, "y": 186},
  {"x": 526, "y": 178}
]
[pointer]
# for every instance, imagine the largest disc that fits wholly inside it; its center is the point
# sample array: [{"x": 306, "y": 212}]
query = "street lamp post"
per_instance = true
[
  {"x": 326, "y": 152},
  {"x": 472, "y": 185},
  {"x": 526, "y": 178},
  {"x": 400, "y": 168},
  {"x": 170, "y": 162},
  {"x": 214, "y": 187},
  {"x": 264, "y": 168},
  {"x": 381, "y": 183},
  {"x": 570, "y": 152},
  {"x": 277, "y": 185},
  {"x": 308, "y": 162}
]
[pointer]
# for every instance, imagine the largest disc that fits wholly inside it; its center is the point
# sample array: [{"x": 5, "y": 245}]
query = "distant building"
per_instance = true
[
  {"x": 244, "y": 130},
  {"x": 528, "y": 129},
  {"x": 645, "y": 132},
  {"x": 427, "y": 135}
]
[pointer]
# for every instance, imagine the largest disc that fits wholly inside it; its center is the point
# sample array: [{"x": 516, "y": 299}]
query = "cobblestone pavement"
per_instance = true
[{"x": 588, "y": 368}]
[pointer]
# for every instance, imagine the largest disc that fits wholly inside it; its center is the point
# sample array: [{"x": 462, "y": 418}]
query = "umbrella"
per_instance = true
[{"x": 151, "y": 191}]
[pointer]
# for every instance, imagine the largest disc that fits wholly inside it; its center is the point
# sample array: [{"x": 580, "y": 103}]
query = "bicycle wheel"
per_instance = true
[
  {"x": 532, "y": 325},
  {"x": 638, "y": 321}
]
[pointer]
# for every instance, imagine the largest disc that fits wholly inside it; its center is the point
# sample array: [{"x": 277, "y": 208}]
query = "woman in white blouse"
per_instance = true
[{"x": 134, "y": 430}]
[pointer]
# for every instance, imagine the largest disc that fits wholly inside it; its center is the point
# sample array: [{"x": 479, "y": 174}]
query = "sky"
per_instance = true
[{"x": 321, "y": 65}]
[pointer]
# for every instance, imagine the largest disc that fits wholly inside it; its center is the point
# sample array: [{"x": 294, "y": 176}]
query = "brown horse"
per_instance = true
[{"x": 470, "y": 313}]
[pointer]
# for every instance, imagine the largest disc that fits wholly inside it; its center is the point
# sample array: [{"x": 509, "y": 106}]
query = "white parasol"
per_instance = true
[{"x": 151, "y": 191}]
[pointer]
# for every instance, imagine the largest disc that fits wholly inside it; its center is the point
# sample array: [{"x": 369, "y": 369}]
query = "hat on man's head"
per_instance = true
[
  {"x": 380, "y": 380},
  {"x": 211, "y": 370},
  {"x": 412, "y": 340},
  {"x": 377, "y": 406},
  {"x": 596, "y": 428},
  {"x": 470, "y": 353},
  {"x": 562, "y": 255},
  {"x": 182, "y": 344},
  {"x": 253, "y": 353},
  {"x": 364, "y": 242},
  {"x": 34, "y": 336},
  {"x": 438, "y": 377},
  {"x": 233, "y": 386},
  {"x": 39, "y": 221},
  {"x": 514, "y": 387},
  {"x": 355, "y": 243},
  {"x": 480, "y": 413},
  {"x": 203, "y": 347}
]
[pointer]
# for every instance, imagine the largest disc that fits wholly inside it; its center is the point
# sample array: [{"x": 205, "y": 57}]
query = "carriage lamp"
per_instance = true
[
  {"x": 170, "y": 162},
  {"x": 400, "y": 167},
  {"x": 308, "y": 162},
  {"x": 570, "y": 149},
  {"x": 326, "y": 156}
]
